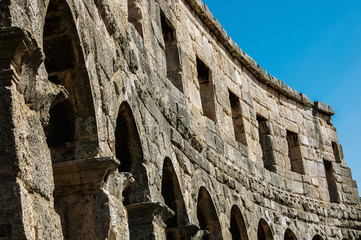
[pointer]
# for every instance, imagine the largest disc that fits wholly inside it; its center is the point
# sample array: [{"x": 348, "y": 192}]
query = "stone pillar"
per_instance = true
[
  {"x": 26, "y": 184},
  {"x": 11, "y": 224},
  {"x": 88, "y": 198},
  {"x": 146, "y": 220}
]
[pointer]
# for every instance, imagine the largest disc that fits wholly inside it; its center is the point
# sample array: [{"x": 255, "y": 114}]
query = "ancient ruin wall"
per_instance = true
[{"x": 143, "y": 120}]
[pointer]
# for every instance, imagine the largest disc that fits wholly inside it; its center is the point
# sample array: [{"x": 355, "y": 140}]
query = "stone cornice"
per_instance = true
[{"x": 211, "y": 22}]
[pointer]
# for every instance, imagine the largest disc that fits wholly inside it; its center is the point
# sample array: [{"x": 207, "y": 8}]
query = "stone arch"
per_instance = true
[
  {"x": 207, "y": 216},
  {"x": 173, "y": 198},
  {"x": 71, "y": 132},
  {"x": 128, "y": 150},
  {"x": 172, "y": 195},
  {"x": 289, "y": 235},
  {"x": 317, "y": 237},
  {"x": 238, "y": 226},
  {"x": 264, "y": 231}
]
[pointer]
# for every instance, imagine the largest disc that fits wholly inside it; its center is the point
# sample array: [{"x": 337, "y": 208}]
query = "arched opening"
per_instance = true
[
  {"x": 172, "y": 195},
  {"x": 289, "y": 235},
  {"x": 264, "y": 231},
  {"x": 173, "y": 198},
  {"x": 238, "y": 226},
  {"x": 317, "y": 237},
  {"x": 207, "y": 216},
  {"x": 71, "y": 132},
  {"x": 128, "y": 150}
]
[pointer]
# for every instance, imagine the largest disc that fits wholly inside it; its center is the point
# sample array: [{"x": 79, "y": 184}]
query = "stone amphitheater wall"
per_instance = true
[{"x": 163, "y": 128}]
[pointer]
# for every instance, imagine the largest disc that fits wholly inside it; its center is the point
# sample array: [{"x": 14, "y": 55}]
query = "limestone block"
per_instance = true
[{"x": 304, "y": 140}]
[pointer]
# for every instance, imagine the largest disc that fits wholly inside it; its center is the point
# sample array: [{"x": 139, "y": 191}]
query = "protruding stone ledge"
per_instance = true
[
  {"x": 324, "y": 108},
  {"x": 211, "y": 22},
  {"x": 82, "y": 174}
]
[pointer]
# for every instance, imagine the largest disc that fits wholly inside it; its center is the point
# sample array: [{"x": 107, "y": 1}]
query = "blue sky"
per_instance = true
[{"x": 314, "y": 47}]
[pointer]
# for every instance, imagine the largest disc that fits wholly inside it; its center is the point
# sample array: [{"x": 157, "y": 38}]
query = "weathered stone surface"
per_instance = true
[{"x": 143, "y": 120}]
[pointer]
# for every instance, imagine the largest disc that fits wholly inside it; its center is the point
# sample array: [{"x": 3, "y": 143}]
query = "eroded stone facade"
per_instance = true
[{"x": 142, "y": 119}]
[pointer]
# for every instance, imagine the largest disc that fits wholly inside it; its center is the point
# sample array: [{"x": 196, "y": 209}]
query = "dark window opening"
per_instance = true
[
  {"x": 237, "y": 118},
  {"x": 331, "y": 182},
  {"x": 135, "y": 16},
  {"x": 265, "y": 140},
  {"x": 264, "y": 232},
  {"x": 207, "y": 216},
  {"x": 336, "y": 152},
  {"x": 206, "y": 90},
  {"x": 171, "y": 53},
  {"x": 238, "y": 227},
  {"x": 294, "y": 152}
]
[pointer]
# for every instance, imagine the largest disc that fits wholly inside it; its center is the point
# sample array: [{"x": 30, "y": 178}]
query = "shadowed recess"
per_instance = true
[
  {"x": 204, "y": 76},
  {"x": 171, "y": 52},
  {"x": 237, "y": 118},
  {"x": 294, "y": 153},
  {"x": 331, "y": 181},
  {"x": 265, "y": 141}
]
